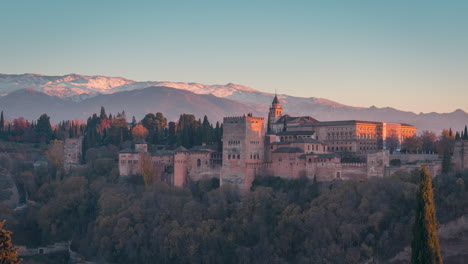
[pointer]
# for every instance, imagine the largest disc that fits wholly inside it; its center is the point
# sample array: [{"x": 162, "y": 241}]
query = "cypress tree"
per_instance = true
[
  {"x": 446, "y": 161},
  {"x": 425, "y": 245},
  {"x": 8, "y": 254},
  {"x": 2, "y": 122},
  {"x": 466, "y": 133},
  {"x": 43, "y": 128},
  {"x": 268, "y": 125}
]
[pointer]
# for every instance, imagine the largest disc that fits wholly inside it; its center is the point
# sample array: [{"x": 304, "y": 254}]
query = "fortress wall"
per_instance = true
[
  {"x": 460, "y": 156},
  {"x": 407, "y": 158},
  {"x": 180, "y": 169}
]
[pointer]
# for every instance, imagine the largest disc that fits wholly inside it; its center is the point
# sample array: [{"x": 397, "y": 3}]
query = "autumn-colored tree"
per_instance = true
[
  {"x": 428, "y": 141},
  {"x": 139, "y": 132},
  {"x": 425, "y": 245},
  {"x": 55, "y": 155},
  {"x": 411, "y": 144},
  {"x": 147, "y": 169},
  {"x": 446, "y": 142},
  {"x": 20, "y": 125},
  {"x": 8, "y": 254}
]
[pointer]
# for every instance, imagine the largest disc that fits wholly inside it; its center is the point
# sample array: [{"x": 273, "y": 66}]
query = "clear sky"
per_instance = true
[{"x": 407, "y": 54}]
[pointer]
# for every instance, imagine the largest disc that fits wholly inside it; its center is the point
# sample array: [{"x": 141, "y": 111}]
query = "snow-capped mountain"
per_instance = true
[{"x": 79, "y": 87}]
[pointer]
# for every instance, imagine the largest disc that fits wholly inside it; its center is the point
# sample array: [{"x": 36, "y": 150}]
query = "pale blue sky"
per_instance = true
[{"x": 412, "y": 55}]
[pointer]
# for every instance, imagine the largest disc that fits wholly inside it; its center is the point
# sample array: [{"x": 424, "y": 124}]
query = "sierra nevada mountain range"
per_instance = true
[{"x": 76, "y": 96}]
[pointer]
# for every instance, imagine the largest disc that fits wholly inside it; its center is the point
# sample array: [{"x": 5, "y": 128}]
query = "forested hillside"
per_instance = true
[{"x": 278, "y": 221}]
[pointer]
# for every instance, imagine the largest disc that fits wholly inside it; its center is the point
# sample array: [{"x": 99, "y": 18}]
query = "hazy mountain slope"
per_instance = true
[
  {"x": 31, "y": 104},
  {"x": 171, "y": 102}
]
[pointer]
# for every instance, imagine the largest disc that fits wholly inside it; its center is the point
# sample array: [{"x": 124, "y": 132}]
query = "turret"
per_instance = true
[{"x": 275, "y": 113}]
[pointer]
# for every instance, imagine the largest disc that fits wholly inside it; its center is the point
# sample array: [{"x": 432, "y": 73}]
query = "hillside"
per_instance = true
[{"x": 172, "y": 102}]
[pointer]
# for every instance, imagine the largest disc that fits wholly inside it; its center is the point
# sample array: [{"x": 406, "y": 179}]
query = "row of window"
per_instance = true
[
  {"x": 340, "y": 148},
  {"x": 320, "y": 160},
  {"x": 233, "y": 156},
  {"x": 314, "y": 147},
  {"x": 341, "y": 128},
  {"x": 233, "y": 142},
  {"x": 254, "y": 156},
  {"x": 129, "y": 162},
  {"x": 255, "y": 142},
  {"x": 367, "y": 148}
]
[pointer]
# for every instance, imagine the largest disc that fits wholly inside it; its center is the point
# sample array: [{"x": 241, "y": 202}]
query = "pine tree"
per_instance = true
[
  {"x": 103, "y": 115},
  {"x": 425, "y": 245},
  {"x": 8, "y": 254}
]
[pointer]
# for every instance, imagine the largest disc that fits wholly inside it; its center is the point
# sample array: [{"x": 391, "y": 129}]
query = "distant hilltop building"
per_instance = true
[
  {"x": 175, "y": 167},
  {"x": 72, "y": 148},
  {"x": 289, "y": 147},
  {"x": 341, "y": 136},
  {"x": 460, "y": 155}
]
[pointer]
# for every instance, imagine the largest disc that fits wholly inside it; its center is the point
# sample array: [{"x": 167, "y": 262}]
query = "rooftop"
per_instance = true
[
  {"x": 288, "y": 150},
  {"x": 296, "y": 119},
  {"x": 295, "y": 133}
]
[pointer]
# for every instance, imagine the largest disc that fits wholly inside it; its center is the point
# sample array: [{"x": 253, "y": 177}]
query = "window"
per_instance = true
[
  {"x": 198, "y": 162},
  {"x": 238, "y": 156}
]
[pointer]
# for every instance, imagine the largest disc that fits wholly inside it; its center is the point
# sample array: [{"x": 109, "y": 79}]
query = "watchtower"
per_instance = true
[{"x": 243, "y": 145}]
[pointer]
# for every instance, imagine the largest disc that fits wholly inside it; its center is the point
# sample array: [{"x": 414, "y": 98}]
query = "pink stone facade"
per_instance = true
[{"x": 289, "y": 147}]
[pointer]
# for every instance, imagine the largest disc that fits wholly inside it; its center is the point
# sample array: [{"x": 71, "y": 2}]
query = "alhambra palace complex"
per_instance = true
[{"x": 289, "y": 147}]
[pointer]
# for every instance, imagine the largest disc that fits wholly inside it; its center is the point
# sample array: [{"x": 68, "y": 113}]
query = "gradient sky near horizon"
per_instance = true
[{"x": 411, "y": 55}]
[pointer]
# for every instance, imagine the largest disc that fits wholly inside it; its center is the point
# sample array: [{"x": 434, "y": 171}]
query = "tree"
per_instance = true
[
  {"x": 425, "y": 245},
  {"x": 392, "y": 142},
  {"x": 2, "y": 122},
  {"x": 55, "y": 155},
  {"x": 428, "y": 140},
  {"x": 411, "y": 144},
  {"x": 139, "y": 132},
  {"x": 446, "y": 142},
  {"x": 147, "y": 169},
  {"x": 20, "y": 125},
  {"x": 43, "y": 128},
  {"x": 155, "y": 123},
  {"x": 446, "y": 162},
  {"x": 8, "y": 254}
]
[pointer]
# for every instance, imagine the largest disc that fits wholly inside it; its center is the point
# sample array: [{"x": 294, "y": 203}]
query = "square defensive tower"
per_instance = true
[{"x": 243, "y": 144}]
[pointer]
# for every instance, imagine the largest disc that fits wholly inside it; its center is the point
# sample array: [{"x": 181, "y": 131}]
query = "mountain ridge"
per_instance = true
[{"x": 77, "y": 90}]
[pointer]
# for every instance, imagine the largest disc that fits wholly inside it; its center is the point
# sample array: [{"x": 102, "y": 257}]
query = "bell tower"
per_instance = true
[{"x": 275, "y": 113}]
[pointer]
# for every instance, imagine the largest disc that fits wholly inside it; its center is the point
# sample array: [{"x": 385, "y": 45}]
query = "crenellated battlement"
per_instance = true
[
  {"x": 245, "y": 117},
  {"x": 353, "y": 164}
]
